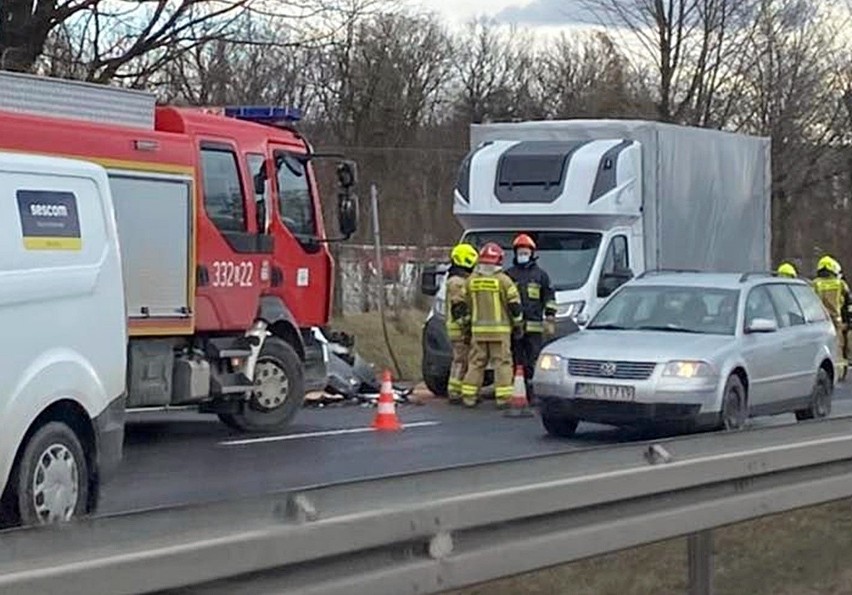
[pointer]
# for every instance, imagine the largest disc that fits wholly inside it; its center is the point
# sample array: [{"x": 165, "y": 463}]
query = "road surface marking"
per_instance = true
[{"x": 416, "y": 424}]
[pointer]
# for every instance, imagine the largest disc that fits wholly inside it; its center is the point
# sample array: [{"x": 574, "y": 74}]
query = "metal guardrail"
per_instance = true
[{"x": 436, "y": 530}]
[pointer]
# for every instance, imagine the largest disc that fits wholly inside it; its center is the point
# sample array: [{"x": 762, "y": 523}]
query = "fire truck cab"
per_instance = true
[{"x": 224, "y": 253}]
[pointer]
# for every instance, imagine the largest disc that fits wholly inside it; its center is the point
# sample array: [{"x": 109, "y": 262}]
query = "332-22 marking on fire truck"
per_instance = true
[{"x": 233, "y": 274}]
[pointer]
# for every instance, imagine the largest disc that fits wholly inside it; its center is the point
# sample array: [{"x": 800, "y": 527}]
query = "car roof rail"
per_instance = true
[
  {"x": 747, "y": 275},
  {"x": 664, "y": 271}
]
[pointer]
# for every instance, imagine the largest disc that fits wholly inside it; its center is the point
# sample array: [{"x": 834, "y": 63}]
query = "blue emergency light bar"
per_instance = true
[{"x": 264, "y": 114}]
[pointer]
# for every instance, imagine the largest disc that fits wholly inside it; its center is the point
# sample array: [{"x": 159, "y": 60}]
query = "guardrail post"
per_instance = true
[{"x": 700, "y": 554}]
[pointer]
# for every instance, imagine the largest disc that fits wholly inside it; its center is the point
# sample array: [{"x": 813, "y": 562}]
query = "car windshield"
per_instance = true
[
  {"x": 700, "y": 310},
  {"x": 567, "y": 256}
]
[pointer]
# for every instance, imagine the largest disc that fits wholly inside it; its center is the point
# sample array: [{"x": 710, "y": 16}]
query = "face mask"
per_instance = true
[{"x": 523, "y": 258}]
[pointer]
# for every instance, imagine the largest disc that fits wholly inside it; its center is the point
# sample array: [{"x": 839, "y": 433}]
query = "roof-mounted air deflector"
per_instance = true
[{"x": 534, "y": 171}]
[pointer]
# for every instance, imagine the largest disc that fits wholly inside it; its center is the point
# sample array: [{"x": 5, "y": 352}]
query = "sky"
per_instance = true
[{"x": 524, "y": 13}]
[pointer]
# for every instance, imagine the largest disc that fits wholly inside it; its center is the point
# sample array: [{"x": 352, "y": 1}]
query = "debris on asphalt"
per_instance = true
[{"x": 350, "y": 380}]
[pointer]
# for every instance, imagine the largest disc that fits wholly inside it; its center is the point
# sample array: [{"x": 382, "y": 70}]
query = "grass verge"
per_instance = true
[
  {"x": 404, "y": 328},
  {"x": 804, "y": 552}
]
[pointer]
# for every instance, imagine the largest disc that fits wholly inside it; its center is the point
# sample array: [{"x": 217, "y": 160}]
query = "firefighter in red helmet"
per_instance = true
[
  {"x": 495, "y": 314},
  {"x": 539, "y": 305}
]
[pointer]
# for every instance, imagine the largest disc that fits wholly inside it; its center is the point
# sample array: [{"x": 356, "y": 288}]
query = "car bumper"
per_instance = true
[
  {"x": 654, "y": 401},
  {"x": 109, "y": 437}
]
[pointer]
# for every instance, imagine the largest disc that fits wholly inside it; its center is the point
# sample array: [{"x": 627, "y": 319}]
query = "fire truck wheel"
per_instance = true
[{"x": 280, "y": 392}]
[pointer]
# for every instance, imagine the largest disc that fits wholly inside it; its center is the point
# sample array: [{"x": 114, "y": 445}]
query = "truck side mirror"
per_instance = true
[
  {"x": 429, "y": 280},
  {"x": 347, "y": 200},
  {"x": 611, "y": 281},
  {"x": 259, "y": 180}
]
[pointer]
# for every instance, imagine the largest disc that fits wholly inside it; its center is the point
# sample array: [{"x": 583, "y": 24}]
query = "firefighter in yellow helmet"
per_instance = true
[
  {"x": 834, "y": 293},
  {"x": 457, "y": 315},
  {"x": 785, "y": 269},
  {"x": 495, "y": 316}
]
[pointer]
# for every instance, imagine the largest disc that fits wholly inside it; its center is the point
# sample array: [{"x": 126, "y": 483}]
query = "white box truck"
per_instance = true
[
  {"x": 63, "y": 321},
  {"x": 606, "y": 200}
]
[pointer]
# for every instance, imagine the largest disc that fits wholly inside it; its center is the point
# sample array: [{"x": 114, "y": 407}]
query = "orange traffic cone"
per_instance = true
[
  {"x": 519, "y": 406},
  {"x": 386, "y": 419}
]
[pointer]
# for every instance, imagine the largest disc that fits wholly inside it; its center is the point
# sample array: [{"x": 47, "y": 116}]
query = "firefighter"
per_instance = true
[
  {"x": 834, "y": 293},
  {"x": 785, "y": 269},
  {"x": 495, "y": 316},
  {"x": 457, "y": 315},
  {"x": 539, "y": 305}
]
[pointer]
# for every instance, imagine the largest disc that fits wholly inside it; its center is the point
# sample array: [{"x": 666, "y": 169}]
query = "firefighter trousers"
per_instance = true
[
  {"x": 498, "y": 354},
  {"x": 842, "y": 347},
  {"x": 458, "y": 368},
  {"x": 525, "y": 351}
]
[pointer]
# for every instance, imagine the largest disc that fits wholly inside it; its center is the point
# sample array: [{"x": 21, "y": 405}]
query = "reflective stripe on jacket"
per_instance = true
[{"x": 537, "y": 295}]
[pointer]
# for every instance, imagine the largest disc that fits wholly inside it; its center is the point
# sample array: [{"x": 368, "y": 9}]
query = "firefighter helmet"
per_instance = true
[
  {"x": 827, "y": 263},
  {"x": 464, "y": 256},
  {"x": 491, "y": 253},
  {"x": 523, "y": 241},
  {"x": 787, "y": 270}
]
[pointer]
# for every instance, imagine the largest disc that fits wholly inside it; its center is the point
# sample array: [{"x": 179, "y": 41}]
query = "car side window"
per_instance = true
[
  {"x": 790, "y": 314},
  {"x": 759, "y": 305},
  {"x": 223, "y": 191},
  {"x": 810, "y": 303}
]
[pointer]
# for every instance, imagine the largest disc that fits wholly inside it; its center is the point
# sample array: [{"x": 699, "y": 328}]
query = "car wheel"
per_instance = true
[
  {"x": 52, "y": 478},
  {"x": 820, "y": 405},
  {"x": 561, "y": 426},
  {"x": 734, "y": 405}
]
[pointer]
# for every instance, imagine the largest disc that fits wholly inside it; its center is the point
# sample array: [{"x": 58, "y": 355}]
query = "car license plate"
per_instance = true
[{"x": 605, "y": 392}]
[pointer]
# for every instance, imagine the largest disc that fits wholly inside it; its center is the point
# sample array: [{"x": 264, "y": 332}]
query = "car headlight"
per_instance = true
[
  {"x": 548, "y": 362},
  {"x": 569, "y": 309},
  {"x": 688, "y": 369}
]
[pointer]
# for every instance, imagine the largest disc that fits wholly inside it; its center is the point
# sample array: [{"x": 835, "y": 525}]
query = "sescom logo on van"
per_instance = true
[{"x": 49, "y": 220}]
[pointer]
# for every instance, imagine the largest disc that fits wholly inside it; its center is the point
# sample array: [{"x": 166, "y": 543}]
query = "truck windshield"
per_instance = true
[{"x": 567, "y": 256}]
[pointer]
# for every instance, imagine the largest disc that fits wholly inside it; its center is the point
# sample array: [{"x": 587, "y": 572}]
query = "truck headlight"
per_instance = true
[
  {"x": 569, "y": 309},
  {"x": 689, "y": 369},
  {"x": 548, "y": 362}
]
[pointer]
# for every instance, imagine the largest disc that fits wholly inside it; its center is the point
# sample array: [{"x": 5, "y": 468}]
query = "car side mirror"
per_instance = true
[
  {"x": 611, "y": 281},
  {"x": 582, "y": 319},
  {"x": 762, "y": 325},
  {"x": 429, "y": 280}
]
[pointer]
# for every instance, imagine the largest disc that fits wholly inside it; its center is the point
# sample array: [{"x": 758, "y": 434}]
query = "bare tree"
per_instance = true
[
  {"x": 695, "y": 46},
  {"x": 493, "y": 73}
]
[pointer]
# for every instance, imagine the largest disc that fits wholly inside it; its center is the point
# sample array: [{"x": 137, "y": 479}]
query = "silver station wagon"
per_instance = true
[{"x": 692, "y": 349}]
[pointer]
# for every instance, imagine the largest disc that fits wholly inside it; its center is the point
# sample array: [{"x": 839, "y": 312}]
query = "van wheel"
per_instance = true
[
  {"x": 734, "y": 405},
  {"x": 52, "y": 477},
  {"x": 279, "y": 394},
  {"x": 436, "y": 385},
  {"x": 820, "y": 405}
]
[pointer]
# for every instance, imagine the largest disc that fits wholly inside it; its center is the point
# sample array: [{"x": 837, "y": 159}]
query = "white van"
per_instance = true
[{"x": 63, "y": 338}]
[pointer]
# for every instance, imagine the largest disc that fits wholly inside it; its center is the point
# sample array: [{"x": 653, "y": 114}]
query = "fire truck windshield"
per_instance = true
[{"x": 295, "y": 205}]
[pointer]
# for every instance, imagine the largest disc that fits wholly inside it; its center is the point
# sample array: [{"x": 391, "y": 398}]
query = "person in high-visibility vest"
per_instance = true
[
  {"x": 495, "y": 315},
  {"x": 457, "y": 315},
  {"x": 539, "y": 305},
  {"x": 834, "y": 293},
  {"x": 785, "y": 269}
]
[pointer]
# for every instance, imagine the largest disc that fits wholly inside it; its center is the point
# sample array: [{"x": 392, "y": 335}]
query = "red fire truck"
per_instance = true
[{"x": 225, "y": 257}]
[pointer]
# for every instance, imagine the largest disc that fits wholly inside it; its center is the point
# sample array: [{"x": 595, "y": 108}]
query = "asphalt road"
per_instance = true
[{"x": 184, "y": 458}]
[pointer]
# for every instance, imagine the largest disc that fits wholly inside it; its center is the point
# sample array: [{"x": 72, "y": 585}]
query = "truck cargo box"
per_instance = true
[{"x": 705, "y": 194}]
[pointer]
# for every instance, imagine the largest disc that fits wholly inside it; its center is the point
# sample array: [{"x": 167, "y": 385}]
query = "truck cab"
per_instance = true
[{"x": 581, "y": 203}]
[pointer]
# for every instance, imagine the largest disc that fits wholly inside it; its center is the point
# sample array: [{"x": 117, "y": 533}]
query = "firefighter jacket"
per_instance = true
[
  {"x": 834, "y": 293},
  {"x": 537, "y": 295},
  {"x": 456, "y": 311},
  {"x": 495, "y": 306}
]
